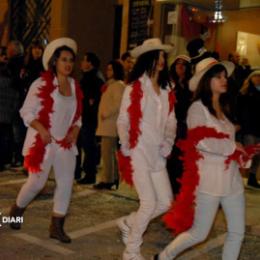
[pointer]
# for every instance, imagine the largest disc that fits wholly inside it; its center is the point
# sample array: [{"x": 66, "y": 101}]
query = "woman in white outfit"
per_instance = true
[
  {"x": 146, "y": 128},
  {"x": 218, "y": 184},
  {"x": 52, "y": 113}
]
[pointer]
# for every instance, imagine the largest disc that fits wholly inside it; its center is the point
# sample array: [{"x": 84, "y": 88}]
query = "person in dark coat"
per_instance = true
[
  {"x": 33, "y": 64},
  {"x": 180, "y": 73},
  {"x": 91, "y": 86},
  {"x": 248, "y": 119},
  {"x": 15, "y": 66}
]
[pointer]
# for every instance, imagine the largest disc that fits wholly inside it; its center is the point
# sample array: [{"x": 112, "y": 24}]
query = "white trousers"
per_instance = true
[
  {"x": 155, "y": 195},
  {"x": 63, "y": 162},
  {"x": 206, "y": 209}
]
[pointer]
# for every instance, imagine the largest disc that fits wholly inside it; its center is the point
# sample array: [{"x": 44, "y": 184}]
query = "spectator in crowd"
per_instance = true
[
  {"x": 248, "y": 118},
  {"x": 91, "y": 86},
  {"x": 52, "y": 113},
  {"x": 128, "y": 63},
  {"x": 146, "y": 127},
  {"x": 15, "y": 65},
  {"x": 33, "y": 63},
  {"x": 241, "y": 72},
  {"x": 108, "y": 111},
  {"x": 8, "y": 108},
  {"x": 180, "y": 74},
  {"x": 197, "y": 51}
]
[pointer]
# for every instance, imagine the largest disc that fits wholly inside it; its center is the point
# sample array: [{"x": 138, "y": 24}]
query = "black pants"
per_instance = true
[{"x": 88, "y": 142}]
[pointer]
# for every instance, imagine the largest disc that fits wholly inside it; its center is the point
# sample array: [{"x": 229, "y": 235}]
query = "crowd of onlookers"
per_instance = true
[{"x": 98, "y": 139}]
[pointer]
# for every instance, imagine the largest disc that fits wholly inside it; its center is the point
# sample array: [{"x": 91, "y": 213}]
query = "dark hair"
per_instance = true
[
  {"x": 56, "y": 55},
  {"x": 125, "y": 55},
  {"x": 93, "y": 59},
  {"x": 147, "y": 63},
  {"x": 173, "y": 74},
  {"x": 35, "y": 44},
  {"x": 118, "y": 69},
  {"x": 204, "y": 92}
]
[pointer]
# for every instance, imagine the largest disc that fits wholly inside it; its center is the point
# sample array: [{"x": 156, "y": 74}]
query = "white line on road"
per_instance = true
[
  {"x": 204, "y": 248},
  {"x": 45, "y": 244},
  {"x": 53, "y": 245},
  {"x": 94, "y": 229}
]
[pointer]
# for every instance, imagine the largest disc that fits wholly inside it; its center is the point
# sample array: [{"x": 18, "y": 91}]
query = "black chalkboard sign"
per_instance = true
[{"x": 139, "y": 13}]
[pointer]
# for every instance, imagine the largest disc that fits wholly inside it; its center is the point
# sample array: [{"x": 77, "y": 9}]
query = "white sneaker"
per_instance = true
[{"x": 124, "y": 228}]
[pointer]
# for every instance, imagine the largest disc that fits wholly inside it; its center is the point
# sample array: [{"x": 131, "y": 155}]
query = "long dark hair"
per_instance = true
[
  {"x": 56, "y": 55},
  {"x": 118, "y": 69},
  {"x": 204, "y": 92},
  {"x": 173, "y": 74},
  {"x": 147, "y": 63}
]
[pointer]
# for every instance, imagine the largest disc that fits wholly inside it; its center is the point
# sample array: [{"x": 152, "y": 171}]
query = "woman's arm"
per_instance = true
[
  {"x": 123, "y": 121},
  {"x": 197, "y": 117},
  {"x": 169, "y": 134}
]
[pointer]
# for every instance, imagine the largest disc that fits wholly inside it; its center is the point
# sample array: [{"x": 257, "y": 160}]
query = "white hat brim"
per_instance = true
[
  {"x": 53, "y": 45},
  {"x": 194, "y": 81},
  {"x": 139, "y": 50}
]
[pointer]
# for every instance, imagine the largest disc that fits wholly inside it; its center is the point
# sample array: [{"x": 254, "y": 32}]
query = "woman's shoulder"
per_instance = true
[
  {"x": 37, "y": 83},
  {"x": 117, "y": 83},
  {"x": 197, "y": 107}
]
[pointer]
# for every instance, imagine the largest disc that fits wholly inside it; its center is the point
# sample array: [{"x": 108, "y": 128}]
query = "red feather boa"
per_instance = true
[
  {"x": 34, "y": 158},
  {"x": 135, "y": 115},
  {"x": 242, "y": 158},
  {"x": 180, "y": 217}
]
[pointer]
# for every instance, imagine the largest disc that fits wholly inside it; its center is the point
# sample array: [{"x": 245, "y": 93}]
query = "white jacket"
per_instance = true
[
  {"x": 215, "y": 179},
  {"x": 64, "y": 109},
  {"x": 158, "y": 126}
]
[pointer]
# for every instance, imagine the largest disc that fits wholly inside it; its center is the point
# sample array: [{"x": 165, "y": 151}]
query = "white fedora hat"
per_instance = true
[
  {"x": 203, "y": 66},
  {"x": 150, "y": 45},
  {"x": 53, "y": 45},
  {"x": 183, "y": 57}
]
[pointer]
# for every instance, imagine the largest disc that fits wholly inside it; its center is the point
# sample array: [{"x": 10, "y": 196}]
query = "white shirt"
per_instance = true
[
  {"x": 215, "y": 179},
  {"x": 64, "y": 109},
  {"x": 158, "y": 127}
]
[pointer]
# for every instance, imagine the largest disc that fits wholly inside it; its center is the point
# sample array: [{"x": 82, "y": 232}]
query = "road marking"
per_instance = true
[
  {"x": 93, "y": 229},
  {"x": 204, "y": 248},
  {"x": 13, "y": 182},
  {"x": 75, "y": 195},
  {"x": 45, "y": 244}
]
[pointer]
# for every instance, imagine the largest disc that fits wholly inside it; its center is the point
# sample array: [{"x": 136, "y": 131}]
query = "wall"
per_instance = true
[
  {"x": 91, "y": 24},
  {"x": 245, "y": 20}
]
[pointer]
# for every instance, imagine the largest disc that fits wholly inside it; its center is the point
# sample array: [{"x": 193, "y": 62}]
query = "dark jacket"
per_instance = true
[
  {"x": 248, "y": 107},
  {"x": 91, "y": 84}
]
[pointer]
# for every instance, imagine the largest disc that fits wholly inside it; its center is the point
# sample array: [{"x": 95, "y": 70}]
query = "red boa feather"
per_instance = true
[
  {"x": 34, "y": 158},
  {"x": 242, "y": 158},
  {"x": 180, "y": 217},
  {"x": 135, "y": 116}
]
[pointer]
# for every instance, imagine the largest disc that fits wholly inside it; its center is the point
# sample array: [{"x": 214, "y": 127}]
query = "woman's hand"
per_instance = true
[
  {"x": 45, "y": 135},
  {"x": 240, "y": 148},
  {"x": 43, "y": 132},
  {"x": 72, "y": 136}
]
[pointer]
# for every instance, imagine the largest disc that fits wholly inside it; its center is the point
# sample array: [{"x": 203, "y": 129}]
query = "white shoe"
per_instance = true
[
  {"x": 124, "y": 228},
  {"x": 132, "y": 256}
]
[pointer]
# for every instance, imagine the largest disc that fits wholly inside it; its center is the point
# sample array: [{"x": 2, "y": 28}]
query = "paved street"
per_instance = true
[{"x": 91, "y": 225}]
